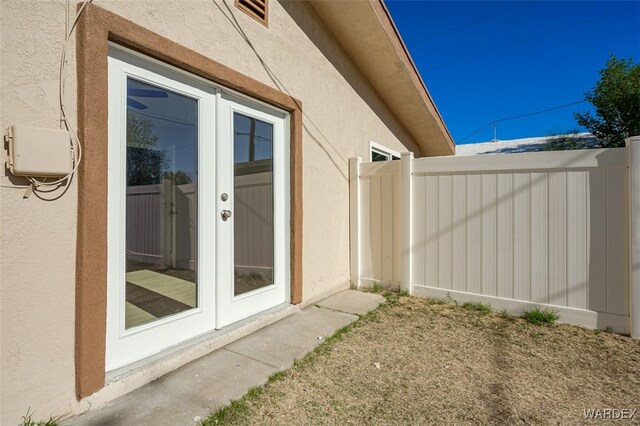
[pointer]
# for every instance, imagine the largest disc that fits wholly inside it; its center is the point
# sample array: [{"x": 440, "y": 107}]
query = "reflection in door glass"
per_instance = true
[
  {"x": 253, "y": 203},
  {"x": 161, "y": 203}
]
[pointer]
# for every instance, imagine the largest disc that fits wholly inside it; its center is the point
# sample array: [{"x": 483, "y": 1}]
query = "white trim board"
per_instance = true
[
  {"x": 580, "y": 317},
  {"x": 577, "y": 159}
]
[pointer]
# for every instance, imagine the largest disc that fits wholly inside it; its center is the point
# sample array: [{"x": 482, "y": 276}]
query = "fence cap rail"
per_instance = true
[
  {"x": 576, "y": 159},
  {"x": 380, "y": 168}
]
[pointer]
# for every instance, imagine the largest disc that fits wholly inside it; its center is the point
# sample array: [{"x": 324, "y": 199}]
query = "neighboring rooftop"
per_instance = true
[{"x": 513, "y": 146}]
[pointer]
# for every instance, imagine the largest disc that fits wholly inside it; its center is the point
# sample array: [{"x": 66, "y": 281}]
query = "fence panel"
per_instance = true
[
  {"x": 150, "y": 219},
  {"x": 253, "y": 231},
  {"x": 145, "y": 222},
  {"x": 515, "y": 231},
  {"x": 527, "y": 230},
  {"x": 380, "y": 223}
]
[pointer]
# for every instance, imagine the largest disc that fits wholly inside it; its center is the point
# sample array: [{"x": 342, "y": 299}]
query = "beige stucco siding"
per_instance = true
[
  {"x": 37, "y": 238},
  {"x": 342, "y": 113}
]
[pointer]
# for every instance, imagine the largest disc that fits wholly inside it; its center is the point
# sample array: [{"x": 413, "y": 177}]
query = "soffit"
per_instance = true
[{"x": 366, "y": 32}]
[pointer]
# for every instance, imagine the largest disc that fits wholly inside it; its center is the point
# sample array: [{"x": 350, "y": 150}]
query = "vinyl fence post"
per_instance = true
[
  {"x": 633, "y": 146},
  {"x": 355, "y": 220},
  {"x": 406, "y": 170}
]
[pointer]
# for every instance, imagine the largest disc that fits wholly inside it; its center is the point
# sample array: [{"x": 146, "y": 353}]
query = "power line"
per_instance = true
[
  {"x": 557, "y": 30},
  {"x": 162, "y": 117},
  {"x": 520, "y": 116}
]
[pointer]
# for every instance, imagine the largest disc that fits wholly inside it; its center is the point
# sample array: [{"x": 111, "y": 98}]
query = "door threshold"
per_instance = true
[
  {"x": 126, "y": 379},
  {"x": 194, "y": 348}
]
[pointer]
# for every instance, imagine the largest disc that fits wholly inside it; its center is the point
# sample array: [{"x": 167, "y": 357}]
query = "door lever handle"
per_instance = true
[{"x": 226, "y": 214}]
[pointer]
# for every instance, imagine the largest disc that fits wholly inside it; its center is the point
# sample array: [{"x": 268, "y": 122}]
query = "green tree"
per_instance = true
[
  {"x": 616, "y": 99},
  {"x": 145, "y": 163},
  {"x": 179, "y": 177},
  {"x": 563, "y": 141}
]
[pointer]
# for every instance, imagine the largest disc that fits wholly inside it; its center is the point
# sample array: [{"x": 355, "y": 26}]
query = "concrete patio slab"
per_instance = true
[
  {"x": 181, "y": 397},
  {"x": 191, "y": 392},
  {"x": 352, "y": 302},
  {"x": 292, "y": 338}
]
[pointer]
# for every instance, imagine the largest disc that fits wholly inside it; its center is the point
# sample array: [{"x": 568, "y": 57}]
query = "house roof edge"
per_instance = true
[{"x": 367, "y": 33}]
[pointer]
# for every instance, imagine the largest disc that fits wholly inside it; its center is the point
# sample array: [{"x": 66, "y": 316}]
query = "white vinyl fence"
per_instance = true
[
  {"x": 551, "y": 229},
  {"x": 253, "y": 223},
  {"x": 161, "y": 223}
]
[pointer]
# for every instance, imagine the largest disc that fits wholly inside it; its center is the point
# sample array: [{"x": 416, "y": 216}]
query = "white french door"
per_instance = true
[
  {"x": 252, "y": 241},
  {"x": 197, "y": 208}
]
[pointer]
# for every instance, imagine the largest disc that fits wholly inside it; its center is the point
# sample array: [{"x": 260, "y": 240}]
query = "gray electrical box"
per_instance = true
[{"x": 39, "y": 152}]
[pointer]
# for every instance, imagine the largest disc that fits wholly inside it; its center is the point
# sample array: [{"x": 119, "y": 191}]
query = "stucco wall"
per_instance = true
[
  {"x": 342, "y": 114},
  {"x": 37, "y": 250}
]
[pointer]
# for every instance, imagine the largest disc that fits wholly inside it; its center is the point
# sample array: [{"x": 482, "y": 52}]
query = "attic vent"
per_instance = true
[{"x": 257, "y": 9}]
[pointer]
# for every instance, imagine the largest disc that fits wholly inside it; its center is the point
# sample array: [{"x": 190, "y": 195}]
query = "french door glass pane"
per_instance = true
[
  {"x": 161, "y": 214},
  {"x": 253, "y": 203}
]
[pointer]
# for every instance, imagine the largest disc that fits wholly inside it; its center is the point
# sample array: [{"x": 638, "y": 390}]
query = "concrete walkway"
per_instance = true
[{"x": 189, "y": 393}]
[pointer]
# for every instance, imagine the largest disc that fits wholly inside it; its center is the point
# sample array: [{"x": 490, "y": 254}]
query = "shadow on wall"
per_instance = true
[
  {"x": 298, "y": 12},
  {"x": 608, "y": 260},
  {"x": 338, "y": 161}
]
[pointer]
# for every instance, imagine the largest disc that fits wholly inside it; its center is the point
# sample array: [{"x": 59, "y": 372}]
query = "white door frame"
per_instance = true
[
  {"x": 216, "y": 307},
  {"x": 231, "y": 308}
]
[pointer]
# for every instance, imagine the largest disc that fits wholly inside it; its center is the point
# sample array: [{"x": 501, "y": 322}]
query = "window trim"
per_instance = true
[
  {"x": 383, "y": 150},
  {"x": 96, "y": 28}
]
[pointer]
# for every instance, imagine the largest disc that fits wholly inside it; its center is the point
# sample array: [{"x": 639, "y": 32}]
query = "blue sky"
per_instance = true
[{"x": 488, "y": 60}]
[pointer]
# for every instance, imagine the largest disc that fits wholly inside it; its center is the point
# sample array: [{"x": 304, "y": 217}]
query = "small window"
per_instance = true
[
  {"x": 257, "y": 9},
  {"x": 381, "y": 153}
]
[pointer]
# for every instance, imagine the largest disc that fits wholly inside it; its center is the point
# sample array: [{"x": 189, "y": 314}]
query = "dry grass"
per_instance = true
[{"x": 418, "y": 361}]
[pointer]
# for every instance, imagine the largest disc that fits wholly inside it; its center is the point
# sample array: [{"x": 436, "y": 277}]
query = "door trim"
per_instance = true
[{"x": 96, "y": 28}]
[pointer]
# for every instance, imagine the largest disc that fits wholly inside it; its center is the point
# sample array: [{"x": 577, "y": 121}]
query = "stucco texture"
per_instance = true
[
  {"x": 37, "y": 253},
  {"x": 341, "y": 114}
]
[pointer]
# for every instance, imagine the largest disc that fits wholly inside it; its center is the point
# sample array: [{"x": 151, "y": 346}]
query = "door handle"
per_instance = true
[{"x": 226, "y": 214}]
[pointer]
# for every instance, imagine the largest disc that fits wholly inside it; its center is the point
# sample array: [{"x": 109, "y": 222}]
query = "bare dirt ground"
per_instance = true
[{"x": 416, "y": 361}]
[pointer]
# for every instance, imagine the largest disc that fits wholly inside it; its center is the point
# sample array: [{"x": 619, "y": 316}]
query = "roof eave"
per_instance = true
[{"x": 365, "y": 30}]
